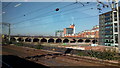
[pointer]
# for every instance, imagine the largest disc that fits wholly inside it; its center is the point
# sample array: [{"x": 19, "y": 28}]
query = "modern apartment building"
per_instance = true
[
  {"x": 69, "y": 31},
  {"x": 59, "y": 33},
  {"x": 92, "y": 33},
  {"x": 109, "y": 28}
]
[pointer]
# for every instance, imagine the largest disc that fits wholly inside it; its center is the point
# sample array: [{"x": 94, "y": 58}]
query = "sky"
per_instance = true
[{"x": 40, "y": 18}]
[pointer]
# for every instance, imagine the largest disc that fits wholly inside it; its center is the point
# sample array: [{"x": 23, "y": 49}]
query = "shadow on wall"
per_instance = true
[{"x": 11, "y": 61}]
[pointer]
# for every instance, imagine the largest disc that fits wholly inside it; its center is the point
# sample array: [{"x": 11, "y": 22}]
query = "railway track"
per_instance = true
[
  {"x": 78, "y": 58},
  {"x": 51, "y": 58},
  {"x": 75, "y": 58}
]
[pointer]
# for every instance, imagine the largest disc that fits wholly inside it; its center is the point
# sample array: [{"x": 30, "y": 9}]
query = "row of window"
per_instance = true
[
  {"x": 108, "y": 23},
  {"x": 109, "y": 27},
  {"x": 108, "y": 36}
]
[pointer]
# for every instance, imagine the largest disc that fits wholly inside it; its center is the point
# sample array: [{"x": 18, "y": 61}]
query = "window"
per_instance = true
[
  {"x": 107, "y": 18},
  {"x": 115, "y": 19},
  {"x": 115, "y": 24},
  {"x": 107, "y": 14},
  {"x": 116, "y": 38},
  {"x": 116, "y": 30},
  {"x": 115, "y": 13}
]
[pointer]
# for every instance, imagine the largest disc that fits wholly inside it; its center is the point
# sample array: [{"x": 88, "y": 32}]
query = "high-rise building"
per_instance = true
[{"x": 108, "y": 31}]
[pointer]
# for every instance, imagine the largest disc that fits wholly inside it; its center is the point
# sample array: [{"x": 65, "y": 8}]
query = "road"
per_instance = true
[{"x": 19, "y": 56}]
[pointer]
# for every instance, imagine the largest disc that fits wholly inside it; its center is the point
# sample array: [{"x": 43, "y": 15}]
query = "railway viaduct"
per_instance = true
[{"x": 52, "y": 39}]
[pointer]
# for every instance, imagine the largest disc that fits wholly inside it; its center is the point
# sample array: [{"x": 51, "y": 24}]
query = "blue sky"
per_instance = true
[{"x": 40, "y": 18}]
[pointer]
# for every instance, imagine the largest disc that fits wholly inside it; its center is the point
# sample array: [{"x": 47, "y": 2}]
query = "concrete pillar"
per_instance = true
[
  {"x": 76, "y": 40},
  {"x": 84, "y": 40},
  {"x": 69, "y": 40},
  {"x": 47, "y": 39},
  {"x": 16, "y": 38},
  {"x": 91, "y": 41},
  {"x": 62, "y": 40},
  {"x": 39, "y": 40},
  {"x": 32, "y": 39},
  {"x": 55, "y": 40},
  {"x": 24, "y": 39}
]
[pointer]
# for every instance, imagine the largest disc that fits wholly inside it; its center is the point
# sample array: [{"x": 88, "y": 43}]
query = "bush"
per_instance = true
[
  {"x": 101, "y": 55},
  {"x": 38, "y": 47},
  {"x": 19, "y": 44},
  {"x": 6, "y": 42}
]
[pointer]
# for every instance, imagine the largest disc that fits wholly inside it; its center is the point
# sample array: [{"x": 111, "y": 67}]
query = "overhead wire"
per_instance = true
[
  {"x": 34, "y": 11},
  {"x": 86, "y": 9},
  {"x": 68, "y": 5},
  {"x": 40, "y": 15},
  {"x": 44, "y": 15},
  {"x": 58, "y": 21},
  {"x": 71, "y": 12},
  {"x": 78, "y": 18},
  {"x": 3, "y": 7},
  {"x": 39, "y": 10},
  {"x": 54, "y": 22}
]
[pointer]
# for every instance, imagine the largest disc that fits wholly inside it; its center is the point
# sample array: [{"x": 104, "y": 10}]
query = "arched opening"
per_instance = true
[
  {"x": 87, "y": 40},
  {"x": 27, "y": 40},
  {"x": 12, "y": 39},
  {"x": 51, "y": 40},
  {"x": 35, "y": 40},
  {"x": 73, "y": 41},
  {"x": 80, "y": 40},
  {"x": 65, "y": 41},
  {"x": 94, "y": 41},
  {"x": 112, "y": 41},
  {"x": 106, "y": 41},
  {"x": 20, "y": 40},
  {"x": 43, "y": 40},
  {"x": 58, "y": 40}
]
